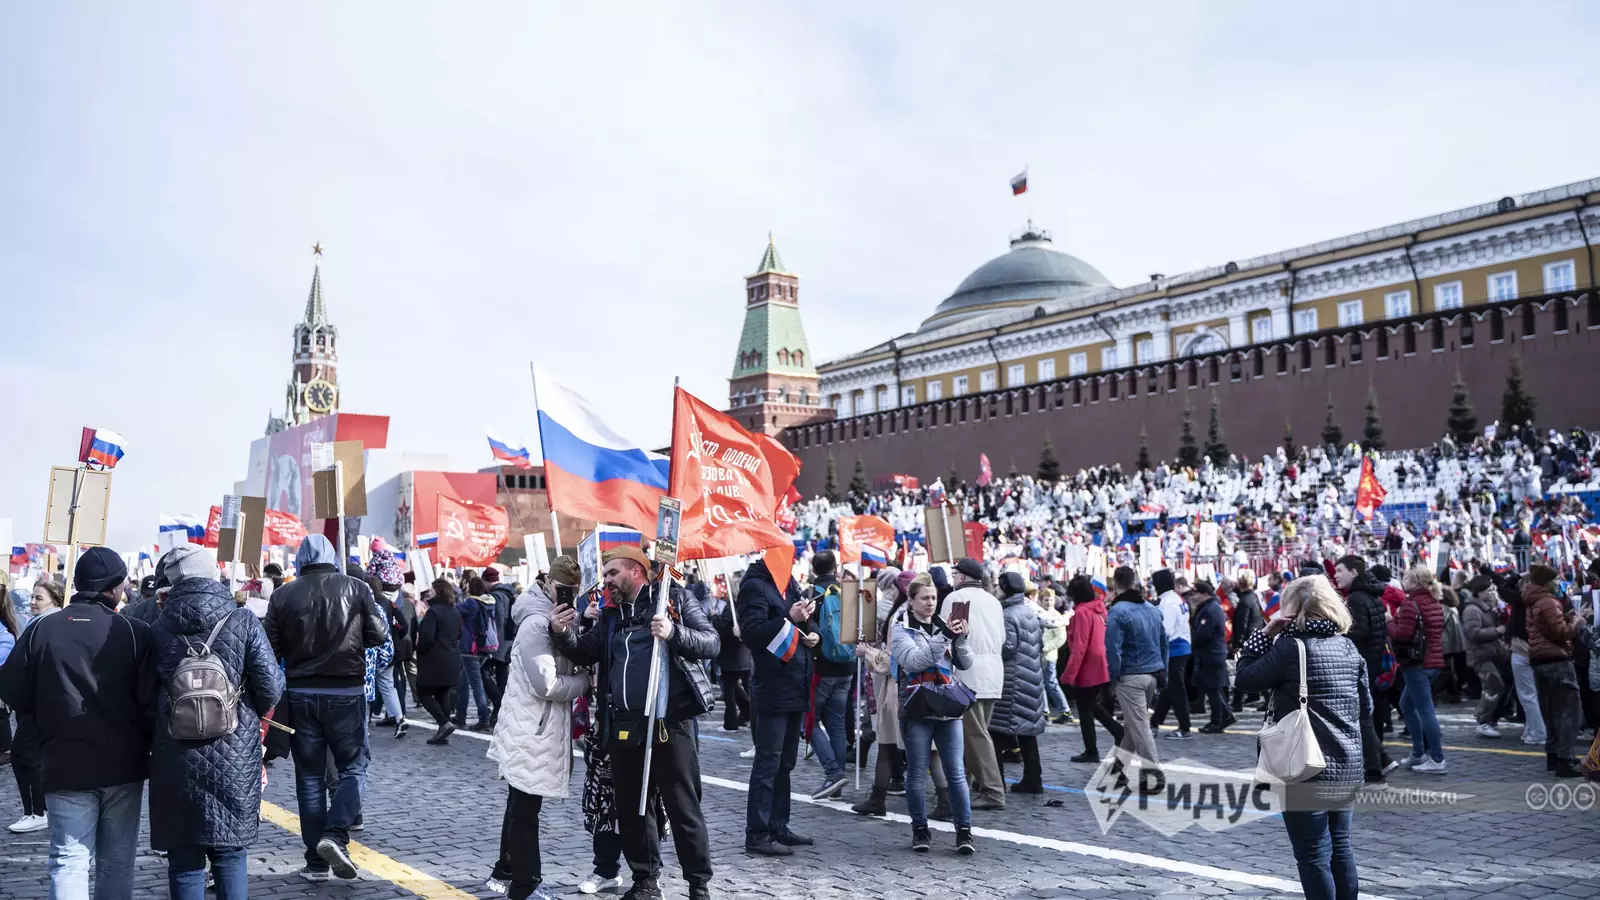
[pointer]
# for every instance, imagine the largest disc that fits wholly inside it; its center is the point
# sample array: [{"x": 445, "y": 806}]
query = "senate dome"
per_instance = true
[{"x": 1031, "y": 271}]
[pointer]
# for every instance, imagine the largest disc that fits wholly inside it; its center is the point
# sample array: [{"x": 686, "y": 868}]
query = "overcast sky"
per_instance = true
[{"x": 584, "y": 185}]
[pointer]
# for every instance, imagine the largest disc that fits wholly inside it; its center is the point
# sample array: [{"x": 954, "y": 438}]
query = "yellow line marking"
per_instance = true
[{"x": 387, "y": 868}]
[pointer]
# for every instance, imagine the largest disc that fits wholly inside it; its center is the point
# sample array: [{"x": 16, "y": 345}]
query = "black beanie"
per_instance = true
[
  {"x": 1163, "y": 580},
  {"x": 99, "y": 570}
]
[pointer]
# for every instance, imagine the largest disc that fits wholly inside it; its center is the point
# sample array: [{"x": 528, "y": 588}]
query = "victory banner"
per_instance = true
[
  {"x": 856, "y": 531},
  {"x": 471, "y": 534}
]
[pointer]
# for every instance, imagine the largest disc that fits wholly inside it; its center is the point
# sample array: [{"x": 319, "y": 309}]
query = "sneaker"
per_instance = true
[
  {"x": 921, "y": 838},
  {"x": 1179, "y": 736},
  {"x": 541, "y": 893},
  {"x": 832, "y": 786},
  {"x": 385, "y": 722},
  {"x": 1086, "y": 757},
  {"x": 402, "y": 729},
  {"x": 337, "y": 858},
  {"x": 211, "y": 881},
  {"x": 495, "y": 885},
  {"x": 1411, "y": 762},
  {"x": 360, "y": 824},
  {"x": 311, "y": 874},
  {"x": 1532, "y": 742},
  {"x": 597, "y": 883},
  {"x": 964, "y": 844},
  {"x": 1488, "y": 731},
  {"x": 897, "y": 787},
  {"x": 644, "y": 889},
  {"x": 29, "y": 824},
  {"x": 810, "y": 751},
  {"x": 748, "y": 754},
  {"x": 1430, "y": 767},
  {"x": 1390, "y": 766}
]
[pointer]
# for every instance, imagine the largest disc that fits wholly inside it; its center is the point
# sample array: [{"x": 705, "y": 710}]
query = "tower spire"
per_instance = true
[
  {"x": 770, "y": 261},
  {"x": 316, "y": 309}
]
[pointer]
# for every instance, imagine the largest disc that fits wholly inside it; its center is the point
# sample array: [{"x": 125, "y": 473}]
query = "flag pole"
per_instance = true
[
  {"x": 860, "y": 611},
  {"x": 654, "y": 696},
  {"x": 555, "y": 518}
]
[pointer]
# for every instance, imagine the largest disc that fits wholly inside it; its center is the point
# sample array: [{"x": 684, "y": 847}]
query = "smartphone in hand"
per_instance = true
[
  {"x": 566, "y": 596},
  {"x": 960, "y": 610}
]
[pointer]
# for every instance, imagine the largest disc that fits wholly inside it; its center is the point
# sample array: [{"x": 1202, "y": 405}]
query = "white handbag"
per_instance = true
[{"x": 1288, "y": 751}]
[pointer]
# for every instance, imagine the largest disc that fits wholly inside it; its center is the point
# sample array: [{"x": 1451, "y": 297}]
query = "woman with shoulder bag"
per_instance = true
[
  {"x": 1304, "y": 648},
  {"x": 923, "y": 648},
  {"x": 1418, "y": 635}
]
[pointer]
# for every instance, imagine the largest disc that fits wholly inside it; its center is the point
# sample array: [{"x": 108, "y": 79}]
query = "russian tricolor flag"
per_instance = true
[
  {"x": 100, "y": 448},
  {"x": 786, "y": 643},
  {"x": 874, "y": 557},
  {"x": 592, "y": 471},
  {"x": 614, "y": 536},
  {"x": 427, "y": 540},
  {"x": 1099, "y": 584},
  {"x": 1019, "y": 183},
  {"x": 514, "y": 452},
  {"x": 193, "y": 526}
]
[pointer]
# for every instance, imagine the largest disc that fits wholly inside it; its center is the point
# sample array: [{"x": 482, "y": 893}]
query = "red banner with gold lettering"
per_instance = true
[
  {"x": 730, "y": 482},
  {"x": 471, "y": 534},
  {"x": 857, "y": 530}
]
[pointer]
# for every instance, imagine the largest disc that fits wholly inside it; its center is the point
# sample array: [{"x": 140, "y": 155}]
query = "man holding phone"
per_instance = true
[{"x": 986, "y": 637}]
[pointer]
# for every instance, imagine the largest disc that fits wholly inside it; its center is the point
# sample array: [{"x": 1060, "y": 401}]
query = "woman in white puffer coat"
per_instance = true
[{"x": 532, "y": 741}]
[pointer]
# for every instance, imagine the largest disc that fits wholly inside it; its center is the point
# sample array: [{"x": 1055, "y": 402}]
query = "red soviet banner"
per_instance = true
[
  {"x": 730, "y": 482},
  {"x": 857, "y": 530},
  {"x": 471, "y": 534},
  {"x": 279, "y": 530}
]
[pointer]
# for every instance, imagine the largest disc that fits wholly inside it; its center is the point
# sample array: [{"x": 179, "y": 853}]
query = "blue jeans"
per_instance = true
[
  {"x": 1416, "y": 704},
  {"x": 102, "y": 825},
  {"x": 833, "y": 694},
  {"x": 471, "y": 679},
  {"x": 1053, "y": 694},
  {"x": 1322, "y": 850},
  {"x": 777, "y": 740},
  {"x": 326, "y": 723},
  {"x": 388, "y": 692},
  {"x": 186, "y": 872},
  {"x": 920, "y": 737}
]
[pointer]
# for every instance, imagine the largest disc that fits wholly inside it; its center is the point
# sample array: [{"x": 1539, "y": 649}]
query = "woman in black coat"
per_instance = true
[
  {"x": 205, "y": 796},
  {"x": 1316, "y": 812},
  {"x": 438, "y": 652},
  {"x": 1208, "y": 636}
]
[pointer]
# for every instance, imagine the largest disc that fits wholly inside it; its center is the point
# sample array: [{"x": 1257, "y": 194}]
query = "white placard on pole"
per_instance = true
[{"x": 538, "y": 556}]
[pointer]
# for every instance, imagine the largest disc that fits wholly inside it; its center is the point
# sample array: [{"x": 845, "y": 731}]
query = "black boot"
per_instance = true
[
  {"x": 1567, "y": 768},
  {"x": 875, "y": 805}
]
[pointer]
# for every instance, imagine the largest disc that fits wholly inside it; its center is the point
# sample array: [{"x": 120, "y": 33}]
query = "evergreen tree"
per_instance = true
[
  {"x": 858, "y": 482},
  {"x": 951, "y": 479},
  {"x": 1144, "y": 450},
  {"x": 1462, "y": 422},
  {"x": 1188, "y": 448},
  {"x": 1049, "y": 466},
  {"x": 1518, "y": 407},
  {"x": 1372, "y": 431},
  {"x": 1330, "y": 429},
  {"x": 1216, "y": 447},
  {"x": 830, "y": 486},
  {"x": 1011, "y": 471},
  {"x": 1288, "y": 439}
]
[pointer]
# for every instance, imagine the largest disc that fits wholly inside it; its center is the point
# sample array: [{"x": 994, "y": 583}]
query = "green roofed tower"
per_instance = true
[{"x": 774, "y": 381}]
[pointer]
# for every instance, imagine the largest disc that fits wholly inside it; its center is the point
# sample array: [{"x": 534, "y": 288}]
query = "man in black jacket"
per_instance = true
[
  {"x": 620, "y": 647},
  {"x": 1247, "y": 619},
  {"x": 87, "y": 677},
  {"x": 773, "y": 624},
  {"x": 1370, "y": 632},
  {"x": 320, "y": 625}
]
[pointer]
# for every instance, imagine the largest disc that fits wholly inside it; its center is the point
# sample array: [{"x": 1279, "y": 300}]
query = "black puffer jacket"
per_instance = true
[
  {"x": 780, "y": 679},
  {"x": 208, "y": 793},
  {"x": 1339, "y": 701},
  {"x": 1368, "y": 629},
  {"x": 1247, "y": 618},
  {"x": 1021, "y": 707},
  {"x": 439, "y": 646},
  {"x": 320, "y": 625}
]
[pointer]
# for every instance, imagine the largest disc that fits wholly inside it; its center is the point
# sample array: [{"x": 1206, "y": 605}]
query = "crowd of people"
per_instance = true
[{"x": 184, "y": 683}]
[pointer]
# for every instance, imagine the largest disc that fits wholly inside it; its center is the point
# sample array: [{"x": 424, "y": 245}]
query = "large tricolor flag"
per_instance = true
[
  {"x": 592, "y": 471},
  {"x": 192, "y": 526},
  {"x": 100, "y": 448},
  {"x": 505, "y": 450}
]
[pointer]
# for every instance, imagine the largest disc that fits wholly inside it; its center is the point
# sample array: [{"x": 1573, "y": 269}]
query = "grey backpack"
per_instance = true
[{"x": 203, "y": 701}]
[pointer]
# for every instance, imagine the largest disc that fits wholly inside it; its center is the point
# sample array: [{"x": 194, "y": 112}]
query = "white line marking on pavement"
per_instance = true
[{"x": 1215, "y": 873}]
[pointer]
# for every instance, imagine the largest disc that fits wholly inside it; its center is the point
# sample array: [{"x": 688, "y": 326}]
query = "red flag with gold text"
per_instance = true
[
  {"x": 854, "y": 531},
  {"x": 471, "y": 534},
  {"x": 730, "y": 482},
  {"x": 1369, "y": 493}
]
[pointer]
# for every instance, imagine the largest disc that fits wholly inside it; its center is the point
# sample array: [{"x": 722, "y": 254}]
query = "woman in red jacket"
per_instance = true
[
  {"x": 1086, "y": 674},
  {"x": 1420, "y": 618}
]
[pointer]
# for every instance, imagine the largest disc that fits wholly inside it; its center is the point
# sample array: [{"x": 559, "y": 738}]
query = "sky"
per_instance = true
[{"x": 584, "y": 186}]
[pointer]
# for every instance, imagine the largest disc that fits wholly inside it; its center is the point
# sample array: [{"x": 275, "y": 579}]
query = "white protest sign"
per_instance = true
[{"x": 538, "y": 556}]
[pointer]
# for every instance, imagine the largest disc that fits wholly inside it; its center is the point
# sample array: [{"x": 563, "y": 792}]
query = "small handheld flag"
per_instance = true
[
  {"x": 1019, "y": 183},
  {"x": 874, "y": 557},
  {"x": 100, "y": 448}
]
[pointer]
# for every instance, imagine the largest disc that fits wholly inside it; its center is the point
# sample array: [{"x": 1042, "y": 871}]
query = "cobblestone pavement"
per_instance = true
[{"x": 433, "y": 817}]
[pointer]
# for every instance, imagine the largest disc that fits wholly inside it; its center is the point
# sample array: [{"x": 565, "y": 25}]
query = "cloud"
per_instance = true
[{"x": 585, "y": 186}]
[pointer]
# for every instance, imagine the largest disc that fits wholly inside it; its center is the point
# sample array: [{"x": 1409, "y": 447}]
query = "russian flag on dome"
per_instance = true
[
  {"x": 191, "y": 525},
  {"x": 593, "y": 472},
  {"x": 1019, "y": 183},
  {"x": 100, "y": 448},
  {"x": 514, "y": 452},
  {"x": 874, "y": 557}
]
